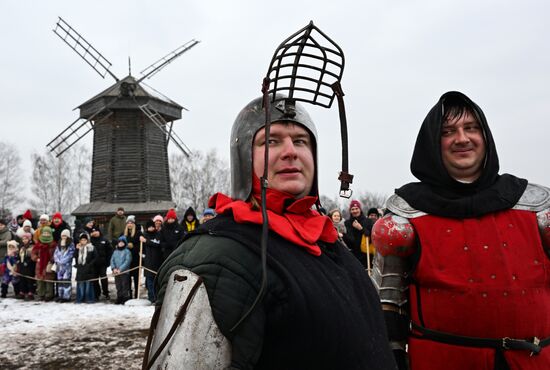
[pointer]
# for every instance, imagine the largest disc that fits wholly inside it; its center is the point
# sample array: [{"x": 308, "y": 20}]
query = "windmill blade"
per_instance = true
[
  {"x": 83, "y": 48},
  {"x": 306, "y": 66},
  {"x": 161, "y": 123},
  {"x": 74, "y": 132},
  {"x": 164, "y": 61}
]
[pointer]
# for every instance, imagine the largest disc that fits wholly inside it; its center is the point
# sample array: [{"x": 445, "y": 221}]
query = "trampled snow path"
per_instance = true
[{"x": 47, "y": 335}]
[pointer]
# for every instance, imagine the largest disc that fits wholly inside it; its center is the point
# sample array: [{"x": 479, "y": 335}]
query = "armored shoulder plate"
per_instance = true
[
  {"x": 535, "y": 198},
  {"x": 400, "y": 207},
  {"x": 197, "y": 343}
]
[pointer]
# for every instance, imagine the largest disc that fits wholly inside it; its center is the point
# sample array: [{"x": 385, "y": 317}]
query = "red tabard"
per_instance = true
[{"x": 482, "y": 277}]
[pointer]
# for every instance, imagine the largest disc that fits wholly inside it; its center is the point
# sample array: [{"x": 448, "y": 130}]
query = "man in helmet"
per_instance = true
[
  {"x": 319, "y": 309},
  {"x": 462, "y": 259}
]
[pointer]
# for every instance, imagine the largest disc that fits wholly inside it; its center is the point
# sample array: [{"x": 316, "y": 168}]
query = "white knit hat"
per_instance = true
[{"x": 66, "y": 233}]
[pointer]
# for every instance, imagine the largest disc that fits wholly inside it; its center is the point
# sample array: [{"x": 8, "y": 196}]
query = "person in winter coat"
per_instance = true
[
  {"x": 26, "y": 268},
  {"x": 5, "y": 236},
  {"x": 86, "y": 261},
  {"x": 336, "y": 217},
  {"x": 158, "y": 220},
  {"x": 43, "y": 254},
  {"x": 132, "y": 232},
  {"x": 171, "y": 234},
  {"x": 116, "y": 227},
  {"x": 104, "y": 251},
  {"x": 25, "y": 228},
  {"x": 9, "y": 269},
  {"x": 63, "y": 258},
  {"x": 120, "y": 263},
  {"x": 58, "y": 225},
  {"x": 189, "y": 221},
  {"x": 153, "y": 257},
  {"x": 44, "y": 220},
  {"x": 358, "y": 227}
]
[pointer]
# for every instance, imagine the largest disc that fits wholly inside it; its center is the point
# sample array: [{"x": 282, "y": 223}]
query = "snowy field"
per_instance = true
[{"x": 47, "y": 335}]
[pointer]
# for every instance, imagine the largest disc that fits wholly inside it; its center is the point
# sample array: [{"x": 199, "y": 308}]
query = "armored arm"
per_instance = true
[
  {"x": 394, "y": 239},
  {"x": 543, "y": 218}
]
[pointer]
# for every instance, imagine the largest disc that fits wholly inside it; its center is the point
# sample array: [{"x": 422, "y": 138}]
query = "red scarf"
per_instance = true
[{"x": 292, "y": 219}]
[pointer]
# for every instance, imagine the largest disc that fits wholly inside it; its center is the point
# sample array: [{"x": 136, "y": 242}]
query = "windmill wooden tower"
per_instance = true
[{"x": 132, "y": 126}]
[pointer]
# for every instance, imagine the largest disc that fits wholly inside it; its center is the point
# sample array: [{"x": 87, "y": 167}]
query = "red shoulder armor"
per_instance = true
[{"x": 394, "y": 235}]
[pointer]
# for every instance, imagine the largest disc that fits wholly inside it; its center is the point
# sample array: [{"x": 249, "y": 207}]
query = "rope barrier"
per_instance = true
[{"x": 84, "y": 281}]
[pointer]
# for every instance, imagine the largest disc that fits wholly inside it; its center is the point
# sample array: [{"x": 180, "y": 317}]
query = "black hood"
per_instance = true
[
  {"x": 190, "y": 211},
  {"x": 440, "y": 194}
]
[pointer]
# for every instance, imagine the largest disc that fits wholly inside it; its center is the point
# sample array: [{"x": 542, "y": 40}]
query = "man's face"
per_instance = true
[
  {"x": 355, "y": 212},
  {"x": 90, "y": 224},
  {"x": 291, "y": 166},
  {"x": 120, "y": 212},
  {"x": 373, "y": 216},
  {"x": 207, "y": 217},
  {"x": 463, "y": 148},
  {"x": 2, "y": 226}
]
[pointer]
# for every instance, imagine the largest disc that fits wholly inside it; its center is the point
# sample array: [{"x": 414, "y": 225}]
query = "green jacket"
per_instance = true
[{"x": 117, "y": 224}]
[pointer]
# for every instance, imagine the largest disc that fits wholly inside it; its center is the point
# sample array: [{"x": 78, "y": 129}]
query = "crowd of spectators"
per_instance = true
[{"x": 38, "y": 258}]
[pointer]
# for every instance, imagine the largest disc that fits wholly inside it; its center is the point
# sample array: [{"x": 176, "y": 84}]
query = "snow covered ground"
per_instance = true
[{"x": 48, "y": 335}]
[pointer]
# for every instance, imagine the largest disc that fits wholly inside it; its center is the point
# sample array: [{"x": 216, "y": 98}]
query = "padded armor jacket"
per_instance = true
[{"x": 318, "y": 312}]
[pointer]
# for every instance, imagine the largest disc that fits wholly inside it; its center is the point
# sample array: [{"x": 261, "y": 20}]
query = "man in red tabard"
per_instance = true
[{"x": 462, "y": 265}]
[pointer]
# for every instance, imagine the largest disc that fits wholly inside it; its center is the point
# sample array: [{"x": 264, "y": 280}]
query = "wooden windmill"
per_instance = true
[{"x": 132, "y": 126}]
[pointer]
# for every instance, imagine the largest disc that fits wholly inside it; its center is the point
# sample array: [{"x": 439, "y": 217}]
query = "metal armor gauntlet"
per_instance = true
[{"x": 394, "y": 239}]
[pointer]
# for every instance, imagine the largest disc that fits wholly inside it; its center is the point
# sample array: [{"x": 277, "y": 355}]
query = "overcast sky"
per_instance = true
[{"x": 401, "y": 56}]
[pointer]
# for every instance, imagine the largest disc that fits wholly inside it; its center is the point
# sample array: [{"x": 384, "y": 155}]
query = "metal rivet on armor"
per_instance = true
[
  {"x": 470, "y": 280},
  {"x": 236, "y": 139},
  {"x": 510, "y": 225},
  {"x": 505, "y": 294},
  {"x": 485, "y": 247},
  {"x": 514, "y": 277},
  {"x": 523, "y": 292},
  {"x": 536, "y": 262},
  {"x": 493, "y": 276},
  {"x": 449, "y": 230},
  {"x": 465, "y": 247},
  {"x": 504, "y": 244},
  {"x": 484, "y": 295}
]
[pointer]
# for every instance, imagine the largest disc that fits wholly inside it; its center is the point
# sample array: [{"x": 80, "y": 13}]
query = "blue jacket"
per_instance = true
[{"x": 121, "y": 259}]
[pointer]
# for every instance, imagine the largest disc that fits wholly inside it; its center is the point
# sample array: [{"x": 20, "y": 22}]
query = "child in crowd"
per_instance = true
[
  {"x": 153, "y": 257},
  {"x": 85, "y": 257},
  {"x": 63, "y": 258},
  {"x": 9, "y": 264},
  {"x": 26, "y": 267},
  {"x": 43, "y": 254},
  {"x": 120, "y": 262}
]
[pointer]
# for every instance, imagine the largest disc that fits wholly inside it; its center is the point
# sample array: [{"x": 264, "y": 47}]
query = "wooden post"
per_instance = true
[
  {"x": 139, "y": 269},
  {"x": 368, "y": 256}
]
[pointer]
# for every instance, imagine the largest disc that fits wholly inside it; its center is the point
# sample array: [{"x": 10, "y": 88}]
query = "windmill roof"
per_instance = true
[{"x": 140, "y": 91}]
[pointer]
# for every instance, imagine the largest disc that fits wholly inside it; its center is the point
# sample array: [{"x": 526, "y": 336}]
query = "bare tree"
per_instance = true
[
  {"x": 52, "y": 182},
  {"x": 198, "y": 177},
  {"x": 372, "y": 200},
  {"x": 11, "y": 183},
  {"x": 329, "y": 203},
  {"x": 82, "y": 173}
]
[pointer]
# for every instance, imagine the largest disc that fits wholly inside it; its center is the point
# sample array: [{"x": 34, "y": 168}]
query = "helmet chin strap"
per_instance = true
[{"x": 265, "y": 221}]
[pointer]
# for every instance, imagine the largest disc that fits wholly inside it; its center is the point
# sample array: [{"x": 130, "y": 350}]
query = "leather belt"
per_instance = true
[{"x": 534, "y": 345}]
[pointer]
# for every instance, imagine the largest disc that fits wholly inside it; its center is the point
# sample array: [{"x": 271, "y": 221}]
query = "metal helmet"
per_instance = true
[{"x": 252, "y": 118}]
